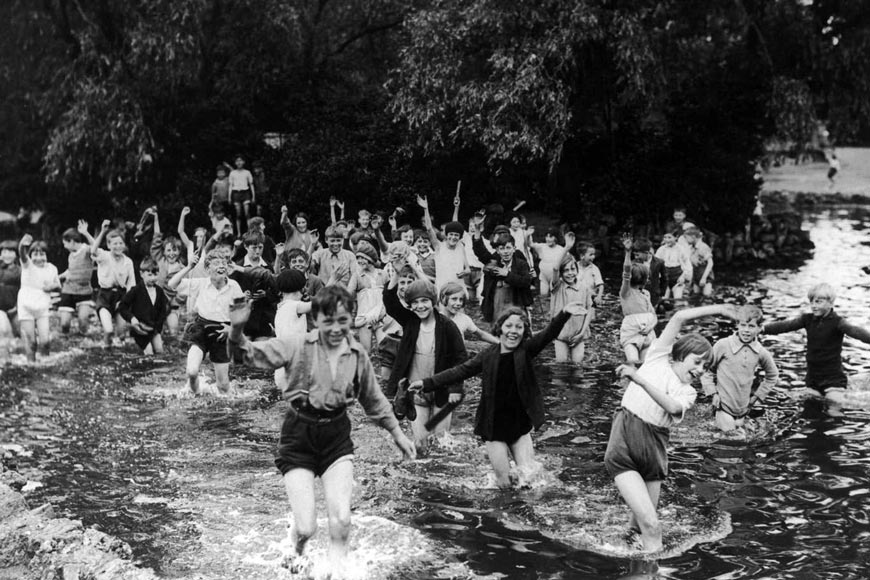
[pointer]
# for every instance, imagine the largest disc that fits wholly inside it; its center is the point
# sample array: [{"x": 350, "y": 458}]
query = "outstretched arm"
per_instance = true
[
  {"x": 855, "y": 331},
  {"x": 669, "y": 334}
]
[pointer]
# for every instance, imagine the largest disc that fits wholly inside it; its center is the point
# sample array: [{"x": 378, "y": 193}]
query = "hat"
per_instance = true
[
  {"x": 367, "y": 251},
  {"x": 454, "y": 228},
  {"x": 420, "y": 289},
  {"x": 501, "y": 229},
  {"x": 689, "y": 226},
  {"x": 291, "y": 280}
]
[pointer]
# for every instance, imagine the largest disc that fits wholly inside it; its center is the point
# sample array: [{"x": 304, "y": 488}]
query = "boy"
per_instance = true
[
  {"x": 589, "y": 274},
  {"x": 701, "y": 257},
  {"x": 207, "y": 332},
  {"x": 334, "y": 259},
  {"x": 146, "y": 307},
  {"x": 825, "y": 331},
  {"x": 678, "y": 266},
  {"x": 268, "y": 253},
  {"x": 220, "y": 223},
  {"x": 450, "y": 262},
  {"x": 507, "y": 280},
  {"x": 76, "y": 293},
  {"x": 220, "y": 188},
  {"x": 242, "y": 192},
  {"x": 115, "y": 276},
  {"x": 732, "y": 369},
  {"x": 657, "y": 283},
  {"x": 327, "y": 370},
  {"x": 254, "y": 276}
]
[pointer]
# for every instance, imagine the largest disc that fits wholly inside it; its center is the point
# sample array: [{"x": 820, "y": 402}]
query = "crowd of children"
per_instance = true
[{"x": 314, "y": 308}]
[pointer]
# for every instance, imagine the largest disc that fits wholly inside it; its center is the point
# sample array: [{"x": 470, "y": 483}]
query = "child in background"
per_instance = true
[
  {"x": 290, "y": 317},
  {"x": 327, "y": 370},
  {"x": 570, "y": 344},
  {"x": 38, "y": 279},
  {"x": 269, "y": 252},
  {"x": 114, "y": 274},
  {"x": 10, "y": 282},
  {"x": 76, "y": 293},
  {"x": 701, "y": 257},
  {"x": 261, "y": 186},
  {"x": 298, "y": 259},
  {"x": 255, "y": 278},
  {"x": 242, "y": 192},
  {"x": 297, "y": 234},
  {"x": 430, "y": 343},
  {"x": 449, "y": 255},
  {"x": 451, "y": 301},
  {"x": 422, "y": 248},
  {"x": 511, "y": 403},
  {"x": 825, "y": 332},
  {"x": 207, "y": 332},
  {"x": 658, "y": 396},
  {"x": 637, "y": 331},
  {"x": 335, "y": 260},
  {"x": 219, "y": 221},
  {"x": 550, "y": 256},
  {"x": 731, "y": 373},
  {"x": 678, "y": 266},
  {"x": 589, "y": 275},
  {"x": 391, "y": 330},
  {"x": 220, "y": 188},
  {"x": 146, "y": 307},
  {"x": 167, "y": 255},
  {"x": 657, "y": 283},
  {"x": 370, "y": 288},
  {"x": 507, "y": 280}
]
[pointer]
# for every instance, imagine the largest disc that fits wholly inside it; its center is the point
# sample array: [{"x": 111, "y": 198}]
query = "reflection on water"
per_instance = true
[{"x": 797, "y": 498}]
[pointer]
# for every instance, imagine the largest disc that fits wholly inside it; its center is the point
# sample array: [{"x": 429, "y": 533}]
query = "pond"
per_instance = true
[{"x": 189, "y": 483}]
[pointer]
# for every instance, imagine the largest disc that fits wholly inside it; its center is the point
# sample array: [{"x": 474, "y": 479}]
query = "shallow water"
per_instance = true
[{"x": 190, "y": 485}]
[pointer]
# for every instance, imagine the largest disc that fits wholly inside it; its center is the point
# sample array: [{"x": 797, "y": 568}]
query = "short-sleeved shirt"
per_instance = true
[
  {"x": 112, "y": 272},
  {"x": 700, "y": 253},
  {"x": 657, "y": 370},
  {"x": 589, "y": 276},
  {"x": 240, "y": 179},
  {"x": 464, "y": 323},
  {"x": 35, "y": 278},
  {"x": 220, "y": 191},
  {"x": 449, "y": 263},
  {"x": 288, "y": 322},
  {"x": 211, "y": 303},
  {"x": 673, "y": 256}
]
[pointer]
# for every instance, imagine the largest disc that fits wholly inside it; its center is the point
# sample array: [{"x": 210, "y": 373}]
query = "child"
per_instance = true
[
  {"x": 146, "y": 307},
  {"x": 38, "y": 278},
  {"x": 207, "y": 332},
  {"x": 732, "y": 369},
  {"x": 451, "y": 304},
  {"x": 430, "y": 343},
  {"x": 391, "y": 330},
  {"x": 511, "y": 403},
  {"x": 678, "y": 266},
  {"x": 825, "y": 331},
  {"x": 370, "y": 287},
  {"x": 550, "y": 257},
  {"x": 701, "y": 257},
  {"x": 589, "y": 275},
  {"x": 261, "y": 186},
  {"x": 657, "y": 283},
  {"x": 637, "y": 331},
  {"x": 220, "y": 189},
  {"x": 334, "y": 259},
  {"x": 76, "y": 293},
  {"x": 219, "y": 221},
  {"x": 290, "y": 317},
  {"x": 422, "y": 248},
  {"x": 268, "y": 253},
  {"x": 166, "y": 254},
  {"x": 10, "y": 282},
  {"x": 297, "y": 234},
  {"x": 254, "y": 276},
  {"x": 570, "y": 344},
  {"x": 242, "y": 192},
  {"x": 449, "y": 255},
  {"x": 298, "y": 259},
  {"x": 658, "y": 396},
  {"x": 507, "y": 280},
  {"x": 114, "y": 274},
  {"x": 327, "y": 370}
]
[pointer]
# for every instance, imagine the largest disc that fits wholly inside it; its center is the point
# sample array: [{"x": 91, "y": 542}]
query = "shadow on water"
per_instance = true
[{"x": 794, "y": 496}]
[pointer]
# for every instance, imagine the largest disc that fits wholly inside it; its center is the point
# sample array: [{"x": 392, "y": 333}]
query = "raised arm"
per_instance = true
[
  {"x": 332, "y": 202},
  {"x": 625, "y": 288},
  {"x": 82, "y": 228},
  {"x": 669, "y": 334},
  {"x": 181, "y": 219},
  {"x": 457, "y": 201},
  {"x": 104, "y": 228},
  {"x": 23, "y": 245},
  {"x": 176, "y": 279},
  {"x": 423, "y": 202},
  {"x": 665, "y": 401}
]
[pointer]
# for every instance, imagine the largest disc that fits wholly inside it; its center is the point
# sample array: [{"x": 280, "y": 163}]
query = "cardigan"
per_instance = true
[
  {"x": 486, "y": 362},
  {"x": 449, "y": 346},
  {"x": 519, "y": 278},
  {"x": 136, "y": 302}
]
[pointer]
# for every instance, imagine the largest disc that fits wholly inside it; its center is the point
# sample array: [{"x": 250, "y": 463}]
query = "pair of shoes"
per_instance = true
[{"x": 403, "y": 404}]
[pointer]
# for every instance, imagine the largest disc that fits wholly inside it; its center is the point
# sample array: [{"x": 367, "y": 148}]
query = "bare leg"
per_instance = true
[
  {"x": 106, "y": 322},
  {"x": 499, "y": 458},
  {"x": 337, "y": 489},
  {"x": 418, "y": 427},
  {"x": 561, "y": 350},
  {"x": 222, "y": 376},
  {"x": 725, "y": 422},
  {"x": 43, "y": 331},
  {"x": 578, "y": 351},
  {"x": 172, "y": 323},
  {"x": 194, "y": 362},
  {"x": 84, "y": 311},
  {"x": 524, "y": 454},
  {"x": 299, "y": 484},
  {"x": 28, "y": 333},
  {"x": 642, "y": 498},
  {"x": 156, "y": 344},
  {"x": 632, "y": 356},
  {"x": 66, "y": 316}
]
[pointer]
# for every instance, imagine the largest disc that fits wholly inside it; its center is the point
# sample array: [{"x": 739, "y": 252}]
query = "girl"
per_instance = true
[
  {"x": 166, "y": 253},
  {"x": 10, "y": 282},
  {"x": 296, "y": 233},
  {"x": 452, "y": 303},
  {"x": 658, "y": 396},
  {"x": 370, "y": 288},
  {"x": 571, "y": 343},
  {"x": 639, "y": 316},
  {"x": 38, "y": 278},
  {"x": 511, "y": 403},
  {"x": 550, "y": 256}
]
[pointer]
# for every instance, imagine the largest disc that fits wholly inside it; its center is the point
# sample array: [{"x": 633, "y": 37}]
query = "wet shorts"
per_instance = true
[
  {"x": 205, "y": 334},
  {"x": 241, "y": 195},
  {"x": 313, "y": 440},
  {"x": 635, "y": 445},
  {"x": 698, "y": 272},
  {"x": 828, "y": 383},
  {"x": 109, "y": 299},
  {"x": 387, "y": 349},
  {"x": 672, "y": 275},
  {"x": 71, "y": 302},
  {"x": 142, "y": 340},
  {"x": 33, "y": 304}
]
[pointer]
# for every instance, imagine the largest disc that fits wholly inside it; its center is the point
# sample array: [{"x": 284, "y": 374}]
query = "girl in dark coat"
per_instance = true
[{"x": 511, "y": 403}]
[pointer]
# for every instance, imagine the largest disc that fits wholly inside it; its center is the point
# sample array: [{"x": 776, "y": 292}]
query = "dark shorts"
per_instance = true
[
  {"x": 826, "y": 383},
  {"x": 635, "y": 445},
  {"x": 831, "y": 173},
  {"x": 108, "y": 299},
  {"x": 72, "y": 301},
  {"x": 312, "y": 442},
  {"x": 672, "y": 275},
  {"x": 241, "y": 195},
  {"x": 387, "y": 349},
  {"x": 143, "y": 340},
  {"x": 698, "y": 271},
  {"x": 205, "y": 335}
]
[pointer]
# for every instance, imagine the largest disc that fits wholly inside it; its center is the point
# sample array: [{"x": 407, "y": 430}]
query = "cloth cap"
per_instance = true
[
  {"x": 420, "y": 289},
  {"x": 454, "y": 228},
  {"x": 501, "y": 229},
  {"x": 367, "y": 251},
  {"x": 291, "y": 280}
]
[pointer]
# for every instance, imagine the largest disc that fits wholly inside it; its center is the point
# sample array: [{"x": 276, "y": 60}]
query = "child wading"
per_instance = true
[
  {"x": 327, "y": 370},
  {"x": 639, "y": 316},
  {"x": 38, "y": 278},
  {"x": 511, "y": 403},
  {"x": 658, "y": 396}
]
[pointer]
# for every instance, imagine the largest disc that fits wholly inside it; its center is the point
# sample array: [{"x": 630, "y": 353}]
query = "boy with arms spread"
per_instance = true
[{"x": 327, "y": 370}]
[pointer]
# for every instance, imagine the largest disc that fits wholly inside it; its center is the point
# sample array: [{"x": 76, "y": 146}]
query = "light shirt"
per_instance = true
[
  {"x": 657, "y": 370},
  {"x": 219, "y": 225},
  {"x": 470, "y": 257},
  {"x": 240, "y": 179},
  {"x": 288, "y": 322},
  {"x": 33, "y": 281},
  {"x": 423, "y": 361},
  {"x": 211, "y": 303},
  {"x": 449, "y": 263},
  {"x": 464, "y": 323},
  {"x": 589, "y": 276},
  {"x": 113, "y": 272},
  {"x": 325, "y": 263},
  {"x": 734, "y": 363},
  {"x": 674, "y": 256}
]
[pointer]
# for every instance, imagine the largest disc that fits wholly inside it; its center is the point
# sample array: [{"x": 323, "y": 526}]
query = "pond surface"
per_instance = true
[{"x": 190, "y": 485}]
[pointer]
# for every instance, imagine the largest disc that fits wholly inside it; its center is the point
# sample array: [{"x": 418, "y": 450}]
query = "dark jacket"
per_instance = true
[
  {"x": 657, "y": 281},
  {"x": 136, "y": 302},
  {"x": 449, "y": 346},
  {"x": 486, "y": 362},
  {"x": 519, "y": 278}
]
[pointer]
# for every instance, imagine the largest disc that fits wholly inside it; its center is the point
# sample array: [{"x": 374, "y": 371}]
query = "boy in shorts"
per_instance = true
[
  {"x": 207, "y": 332},
  {"x": 76, "y": 293},
  {"x": 146, "y": 307},
  {"x": 115, "y": 276},
  {"x": 327, "y": 370}
]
